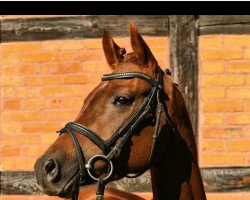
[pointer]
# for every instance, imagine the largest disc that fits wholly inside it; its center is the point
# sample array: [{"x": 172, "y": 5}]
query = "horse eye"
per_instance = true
[{"x": 121, "y": 100}]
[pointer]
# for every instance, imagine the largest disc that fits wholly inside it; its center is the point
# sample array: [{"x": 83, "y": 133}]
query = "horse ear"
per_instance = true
[
  {"x": 141, "y": 49},
  {"x": 113, "y": 53}
]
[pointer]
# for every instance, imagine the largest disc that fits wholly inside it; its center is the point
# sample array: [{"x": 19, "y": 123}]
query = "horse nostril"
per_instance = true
[{"x": 51, "y": 170}]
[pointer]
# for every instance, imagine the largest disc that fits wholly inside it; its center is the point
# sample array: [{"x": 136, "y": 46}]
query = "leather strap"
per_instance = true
[{"x": 129, "y": 75}]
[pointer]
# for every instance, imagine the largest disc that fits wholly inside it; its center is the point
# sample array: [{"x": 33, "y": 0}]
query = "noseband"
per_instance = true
[{"x": 111, "y": 146}]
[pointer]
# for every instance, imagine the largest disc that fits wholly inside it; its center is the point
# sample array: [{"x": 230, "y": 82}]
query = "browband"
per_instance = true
[{"x": 129, "y": 75}]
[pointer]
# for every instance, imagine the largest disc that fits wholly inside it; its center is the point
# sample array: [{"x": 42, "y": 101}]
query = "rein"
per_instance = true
[{"x": 109, "y": 149}]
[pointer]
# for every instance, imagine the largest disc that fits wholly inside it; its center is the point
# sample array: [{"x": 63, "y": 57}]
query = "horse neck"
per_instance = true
[{"x": 176, "y": 176}]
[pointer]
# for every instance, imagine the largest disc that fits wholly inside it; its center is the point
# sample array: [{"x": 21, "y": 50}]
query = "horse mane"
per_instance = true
[{"x": 182, "y": 122}]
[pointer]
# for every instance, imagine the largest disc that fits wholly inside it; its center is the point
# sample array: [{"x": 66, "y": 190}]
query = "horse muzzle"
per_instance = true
[{"x": 54, "y": 179}]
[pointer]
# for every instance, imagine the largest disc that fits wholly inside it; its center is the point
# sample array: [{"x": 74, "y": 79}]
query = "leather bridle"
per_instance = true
[{"x": 152, "y": 103}]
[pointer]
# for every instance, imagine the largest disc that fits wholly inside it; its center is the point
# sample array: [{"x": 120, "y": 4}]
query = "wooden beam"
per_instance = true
[
  {"x": 183, "y": 35},
  {"x": 18, "y": 182},
  {"x": 212, "y": 20},
  {"x": 229, "y": 179},
  {"x": 224, "y": 24},
  {"x": 220, "y": 179},
  {"x": 88, "y": 26},
  {"x": 92, "y": 26}
]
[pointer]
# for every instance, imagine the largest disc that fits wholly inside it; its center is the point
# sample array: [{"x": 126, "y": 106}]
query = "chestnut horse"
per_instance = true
[{"x": 142, "y": 123}]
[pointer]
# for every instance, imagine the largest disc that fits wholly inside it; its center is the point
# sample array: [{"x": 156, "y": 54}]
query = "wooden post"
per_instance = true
[{"x": 183, "y": 33}]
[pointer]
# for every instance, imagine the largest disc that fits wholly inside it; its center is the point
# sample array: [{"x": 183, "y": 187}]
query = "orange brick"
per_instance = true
[
  {"x": 248, "y": 159},
  {"x": 238, "y": 119},
  {"x": 10, "y": 58},
  {"x": 212, "y": 145},
  {"x": 40, "y": 127},
  {"x": 9, "y": 151},
  {"x": 90, "y": 55},
  {"x": 61, "y": 68},
  {"x": 223, "y": 106},
  {"x": 210, "y": 41},
  {"x": 54, "y": 91},
  {"x": 222, "y": 132},
  {"x": 55, "y": 45},
  {"x": 222, "y": 159},
  {"x": 10, "y": 128},
  {"x": 19, "y": 92},
  {"x": 152, "y": 41},
  {"x": 246, "y": 131},
  {"x": 159, "y": 52},
  {"x": 83, "y": 78},
  {"x": 247, "y": 105},
  {"x": 73, "y": 44},
  {"x": 48, "y": 138},
  {"x": 66, "y": 90},
  {"x": 8, "y": 116},
  {"x": 92, "y": 44},
  {"x": 121, "y": 41},
  {"x": 238, "y": 145},
  {"x": 238, "y": 92},
  {"x": 247, "y": 53},
  {"x": 239, "y": 67},
  {"x": 54, "y": 103},
  {"x": 213, "y": 119},
  {"x": 59, "y": 115},
  {"x": 21, "y": 140},
  {"x": 213, "y": 67},
  {"x": 212, "y": 93},
  {"x": 223, "y": 80},
  {"x": 41, "y": 80},
  {"x": 94, "y": 66},
  {"x": 33, "y": 104},
  {"x": 21, "y": 69},
  {"x": 219, "y": 54},
  {"x": 248, "y": 80},
  {"x": 18, "y": 163},
  {"x": 41, "y": 57},
  {"x": 68, "y": 55},
  {"x": 11, "y": 104},
  {"x": 62, "y": 45},
  {"x": 20, "y": 47},
  {"x": 237, "y": 40},
  {"x": 11, "y": 80},
  {"x": 230, "y": 54},
  {"x": 73, "y": 102}
]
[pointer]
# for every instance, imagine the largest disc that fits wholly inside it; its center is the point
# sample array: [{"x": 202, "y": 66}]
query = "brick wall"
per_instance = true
[{"x": 224, "y": 98}]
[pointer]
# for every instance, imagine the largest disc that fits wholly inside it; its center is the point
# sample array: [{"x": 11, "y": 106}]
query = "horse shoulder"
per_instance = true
[{"x": 110, "y": 194}]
